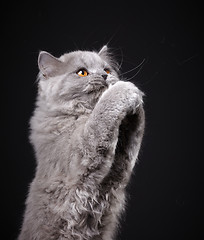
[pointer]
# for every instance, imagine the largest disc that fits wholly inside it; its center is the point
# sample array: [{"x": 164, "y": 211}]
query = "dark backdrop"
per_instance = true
[{"x": 165, "y": 199}]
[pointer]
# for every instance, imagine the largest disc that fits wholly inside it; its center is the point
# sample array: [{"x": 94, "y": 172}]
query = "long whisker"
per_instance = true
[
  {"x": 134, "y": 68},
  {"x": 141, "y": 66},
  {"x": 121, "y": 62}
]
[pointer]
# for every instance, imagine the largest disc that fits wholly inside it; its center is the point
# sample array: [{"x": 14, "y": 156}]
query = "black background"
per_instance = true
[{"x": 165, "y": 194}]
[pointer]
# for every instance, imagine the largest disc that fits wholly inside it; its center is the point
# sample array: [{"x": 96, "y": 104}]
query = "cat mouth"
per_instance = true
[
  {"x": 101, "y": 83},
  {"x": 96, "y": 85}
]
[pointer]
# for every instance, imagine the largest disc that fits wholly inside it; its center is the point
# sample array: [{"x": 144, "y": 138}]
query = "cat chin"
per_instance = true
[{"x": 95, "y": 87}]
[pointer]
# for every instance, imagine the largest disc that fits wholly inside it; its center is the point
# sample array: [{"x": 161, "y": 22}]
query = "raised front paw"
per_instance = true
[{"x": 129, "y": 94}]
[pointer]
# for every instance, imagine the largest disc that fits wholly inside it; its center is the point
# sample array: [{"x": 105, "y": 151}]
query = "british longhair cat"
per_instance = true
[{"x": 86, "y": 131}]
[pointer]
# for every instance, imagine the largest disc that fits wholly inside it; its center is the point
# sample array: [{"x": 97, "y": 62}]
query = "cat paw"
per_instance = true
[{"x": 130, "y": 94}]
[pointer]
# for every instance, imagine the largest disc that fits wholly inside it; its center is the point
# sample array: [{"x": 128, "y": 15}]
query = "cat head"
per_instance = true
[{"x": 79, "y": 77}]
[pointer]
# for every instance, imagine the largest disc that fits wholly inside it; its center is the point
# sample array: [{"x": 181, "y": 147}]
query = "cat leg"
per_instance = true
[
  {"x": 101, "y": 131},
  {"x": 95, "y": 155},
  {"x": 128, "y": 145},
  {"x": 129, "y": 141}
]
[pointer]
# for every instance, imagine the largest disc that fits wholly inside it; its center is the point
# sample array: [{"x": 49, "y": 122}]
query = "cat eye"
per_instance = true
[
  {"x": 82, "y": 72},
  {"x": 107, "y": 70}
]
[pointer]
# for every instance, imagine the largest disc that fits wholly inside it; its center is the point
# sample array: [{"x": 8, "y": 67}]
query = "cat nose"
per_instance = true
[{"x": 104, "y": 76}]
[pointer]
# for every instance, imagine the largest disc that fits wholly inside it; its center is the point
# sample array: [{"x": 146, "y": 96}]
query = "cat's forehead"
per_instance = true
[{"x": 83, "y": 58}]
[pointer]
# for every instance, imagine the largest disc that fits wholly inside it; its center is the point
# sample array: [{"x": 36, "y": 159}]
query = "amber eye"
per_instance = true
[
  {"x": 82, "y": 73},
  {"x": 107, "y": 70}
]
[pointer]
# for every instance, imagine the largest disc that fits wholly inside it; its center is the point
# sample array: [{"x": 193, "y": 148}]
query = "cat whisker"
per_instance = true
[
  {"x": 93, "y": 85},
  {"x": 138, "y": 66},
  {"x": 121, "y": 62},
  {"x": 128, "y": 79},
  {"x": 98, "y": 82}
]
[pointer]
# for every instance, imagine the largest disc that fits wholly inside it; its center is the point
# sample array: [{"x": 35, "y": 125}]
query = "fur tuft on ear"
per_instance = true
[
  {"x": 109, "y": 58},
  {"x": 48, "y": 64},
  {"x": 103, "y": 51}
]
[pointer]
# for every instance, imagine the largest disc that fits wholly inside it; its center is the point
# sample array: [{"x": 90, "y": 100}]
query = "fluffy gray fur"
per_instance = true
[{"x": 86, "y": 133}]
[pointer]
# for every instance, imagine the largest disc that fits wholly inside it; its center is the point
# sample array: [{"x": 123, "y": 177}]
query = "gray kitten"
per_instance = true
[{"x": 86, "y": 130}]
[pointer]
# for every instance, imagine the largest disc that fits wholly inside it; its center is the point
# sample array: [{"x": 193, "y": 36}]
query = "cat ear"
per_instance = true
[
  {"x": 103, "y": 51},
  {"x": 48, "y": 64}
]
